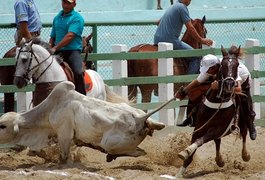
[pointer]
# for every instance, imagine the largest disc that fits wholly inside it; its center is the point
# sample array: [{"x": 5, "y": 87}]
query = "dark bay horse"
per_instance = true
[
  {"x": 149, "y": 67},
  {"x": 218, "y": 115},
  {"x": 7, "y": 72}
]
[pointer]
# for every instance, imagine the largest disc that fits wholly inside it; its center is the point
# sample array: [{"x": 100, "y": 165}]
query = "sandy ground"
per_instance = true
[{"x": 161, "y": 161}]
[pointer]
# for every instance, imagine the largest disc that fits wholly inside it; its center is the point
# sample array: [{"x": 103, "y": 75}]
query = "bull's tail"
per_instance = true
[{"x": 115, "y": 98}]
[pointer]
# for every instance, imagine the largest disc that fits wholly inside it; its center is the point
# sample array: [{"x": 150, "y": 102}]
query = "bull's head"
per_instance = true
[{"x": 8, "y": 127}]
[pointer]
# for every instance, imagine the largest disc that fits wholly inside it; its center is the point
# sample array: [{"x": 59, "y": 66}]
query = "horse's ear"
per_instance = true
[
  {"x": 203, "y": 19},
  {"x": 224, "y": 52},
  {"x": 23, "y": 41},
  {"x": 30, "y": 43},
  {"x": 238, "y": 51},
  {"x": 89, "y": 36}
]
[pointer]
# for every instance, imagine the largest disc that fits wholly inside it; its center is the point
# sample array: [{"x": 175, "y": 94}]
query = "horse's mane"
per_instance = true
[
  {"x": 44, "y": 44},
  {"x": 36, "y": 40},
  {"x": 234, "y": 51}
]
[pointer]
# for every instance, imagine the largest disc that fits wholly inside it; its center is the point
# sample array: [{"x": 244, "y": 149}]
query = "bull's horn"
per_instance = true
[
  {"x": 155, "y": 125},
  {"x": 147, "y": 115}
]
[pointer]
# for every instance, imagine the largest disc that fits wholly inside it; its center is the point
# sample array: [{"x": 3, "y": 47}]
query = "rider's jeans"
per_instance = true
[
  {"x": 194, "y": 62},
  {"x": 74, "y": 60}
]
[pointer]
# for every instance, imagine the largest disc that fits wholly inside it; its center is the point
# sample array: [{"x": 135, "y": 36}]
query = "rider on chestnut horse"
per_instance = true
[{"x": 170, "y": 28}]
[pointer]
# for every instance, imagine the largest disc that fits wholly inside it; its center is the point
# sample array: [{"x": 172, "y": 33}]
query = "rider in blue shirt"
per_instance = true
[
  {"x": 27, "y": 20},
  {"x": 170, "y": 27},
  {"x": 66, "y": 40}
]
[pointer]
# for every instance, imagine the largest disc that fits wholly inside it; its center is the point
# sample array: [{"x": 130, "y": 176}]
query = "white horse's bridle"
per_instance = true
[{"x": 25, "y": 76}]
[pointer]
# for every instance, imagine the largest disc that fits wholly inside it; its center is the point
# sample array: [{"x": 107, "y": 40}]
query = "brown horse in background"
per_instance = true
[
  {"x": 218, "y": 115},
  {"x": 7, "y": 72},
  {"x": 6, "y": 78},
  {"x": 149, "y": 67}
]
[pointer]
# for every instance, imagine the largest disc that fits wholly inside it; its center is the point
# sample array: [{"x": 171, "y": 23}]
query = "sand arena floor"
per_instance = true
[{"x": 161, "y": 161}]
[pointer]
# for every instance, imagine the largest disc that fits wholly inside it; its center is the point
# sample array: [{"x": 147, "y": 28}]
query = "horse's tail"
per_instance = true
[{"x": 115, "y": 98}]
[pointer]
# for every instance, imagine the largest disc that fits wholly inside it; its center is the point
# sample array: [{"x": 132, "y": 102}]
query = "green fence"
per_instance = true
[{"x": 148, "y": 80}]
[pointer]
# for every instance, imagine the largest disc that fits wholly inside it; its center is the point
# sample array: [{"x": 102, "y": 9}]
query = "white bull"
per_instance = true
[{"x": 116, "y": 129}]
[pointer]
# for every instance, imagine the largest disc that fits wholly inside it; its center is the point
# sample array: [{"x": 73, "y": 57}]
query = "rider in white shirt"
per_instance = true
[{"x": 209, "y": 67}]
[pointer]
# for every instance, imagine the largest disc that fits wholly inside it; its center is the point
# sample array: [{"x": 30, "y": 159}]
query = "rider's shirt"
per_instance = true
[
  {"x": 26, "y": 10},
  {"x": 243, "y": 74},
  {"x": 70, "y": 22},
  {"x": 171, "y": 23}
]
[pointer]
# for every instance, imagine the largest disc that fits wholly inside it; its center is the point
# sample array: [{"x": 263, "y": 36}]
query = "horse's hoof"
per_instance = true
[
  {"x": 183, "y": 155},
  {"x": 220, "y": 163},
  {"x": 182, "y": 170},
  {"x": 246, "y": 157}
]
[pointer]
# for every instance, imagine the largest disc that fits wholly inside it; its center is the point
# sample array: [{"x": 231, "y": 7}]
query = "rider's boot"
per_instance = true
[
  {"x": 186, "y": 122},
  {"x": 251, "y": 126},
  {"x": 191, "y": 114}
]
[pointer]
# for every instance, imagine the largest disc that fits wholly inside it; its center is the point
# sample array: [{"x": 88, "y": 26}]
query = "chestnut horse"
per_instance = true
[
  {"x": 7, "y": 72},
  {"x": 149, "y": 67},
  {"x": 218, "y": 115}
]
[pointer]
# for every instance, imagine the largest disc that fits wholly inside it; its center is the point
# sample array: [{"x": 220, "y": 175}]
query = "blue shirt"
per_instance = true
[
  {"x": 70, "y": 22},
  {"x": 171, "y": 23},
  {"x": 26, "y": 10}
]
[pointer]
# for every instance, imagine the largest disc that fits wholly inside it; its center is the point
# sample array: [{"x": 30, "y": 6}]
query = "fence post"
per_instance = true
[
  {"x": 119, "y": 69},
  {"x": 23, "y": 101},
  {"x": 165, "y": 91},
  {"x": 253, "y": 63}
]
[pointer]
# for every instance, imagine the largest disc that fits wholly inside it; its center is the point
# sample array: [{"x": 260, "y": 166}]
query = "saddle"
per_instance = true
[
  {"x": 68, "y": 71},
  {"x": 70, "y": 76}
]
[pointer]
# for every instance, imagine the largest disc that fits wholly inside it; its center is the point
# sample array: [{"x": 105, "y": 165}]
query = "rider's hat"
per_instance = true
[
  {"x": 207, "y": 62},
  {"x": 71, "y": 1}
]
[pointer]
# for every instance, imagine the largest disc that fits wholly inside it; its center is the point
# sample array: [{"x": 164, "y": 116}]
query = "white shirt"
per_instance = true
[
  {"x": 242, "y": 76},
  {"x": 243, "y": 73}
]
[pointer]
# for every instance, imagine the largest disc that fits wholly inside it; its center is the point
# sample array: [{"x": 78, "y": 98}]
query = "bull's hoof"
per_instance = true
[
  {"x": 110, "y": 157},
  {"x": 18, "y": 148},
  {"x": 183, "y": 155}
]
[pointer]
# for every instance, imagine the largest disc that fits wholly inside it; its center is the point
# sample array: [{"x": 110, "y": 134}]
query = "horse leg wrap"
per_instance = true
[
  {"x": 182, "y": 170},
  {"x": 185, "y": 154}
]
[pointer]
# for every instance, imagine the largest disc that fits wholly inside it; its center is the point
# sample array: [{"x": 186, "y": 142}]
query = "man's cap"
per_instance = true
[
  {"x": 71, "y": 1},
  {"x": 207, "y": 62}
]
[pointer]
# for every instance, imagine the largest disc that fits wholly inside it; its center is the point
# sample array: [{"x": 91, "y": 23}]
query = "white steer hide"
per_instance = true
[{"x": 116, "y": 129}]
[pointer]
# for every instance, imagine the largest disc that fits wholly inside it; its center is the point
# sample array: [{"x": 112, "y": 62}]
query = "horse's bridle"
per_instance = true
[
  {"x": 222, "y": 80},
  {"x": 25, "y": 76}
]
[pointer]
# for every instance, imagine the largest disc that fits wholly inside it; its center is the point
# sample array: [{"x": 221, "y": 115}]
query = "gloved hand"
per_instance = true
[
  {"x": 214, "y": 85},
  {"x": 181, "y": 94}
]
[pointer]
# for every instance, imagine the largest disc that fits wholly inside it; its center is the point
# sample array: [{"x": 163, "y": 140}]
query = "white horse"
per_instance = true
[{"x": 35, "y": 61}]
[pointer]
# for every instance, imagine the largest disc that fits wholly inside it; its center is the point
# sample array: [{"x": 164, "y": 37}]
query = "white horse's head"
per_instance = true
[{"x": 29, "y": 57}]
